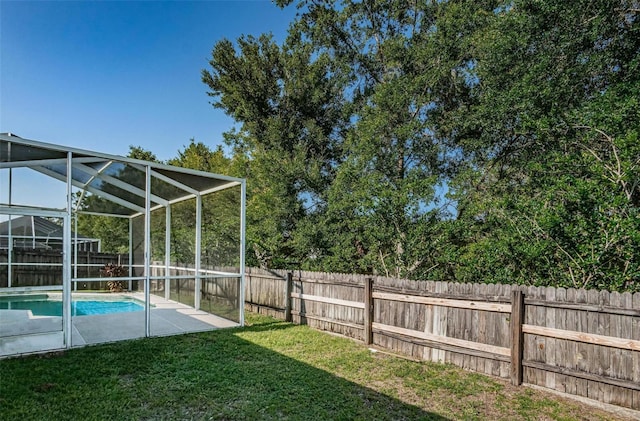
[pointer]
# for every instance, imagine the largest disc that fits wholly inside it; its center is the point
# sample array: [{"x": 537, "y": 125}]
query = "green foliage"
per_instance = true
[
  {"x": 549, "y": 195},
  {"x": 220, "y": 217},
  {"x": 220, "y": 235},
  {"x": 461, "y": 140},
  {"x": 113, "y": 232},
  {"x": 289, "y": 101},
  {"x": 491, "y": 141}
]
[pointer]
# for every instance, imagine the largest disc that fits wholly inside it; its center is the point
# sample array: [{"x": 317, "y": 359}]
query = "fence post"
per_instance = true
[
  {"x": 517, "y": 337},
  {"x": 368, "y": 311},
  {"x": 287, "y": 302}
]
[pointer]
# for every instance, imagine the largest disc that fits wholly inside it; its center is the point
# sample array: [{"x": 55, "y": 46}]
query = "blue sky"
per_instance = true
[{"x": 104, "y": 75}]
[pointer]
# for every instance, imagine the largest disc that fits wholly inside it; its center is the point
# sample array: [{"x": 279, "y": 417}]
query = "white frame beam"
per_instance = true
[
  {"x": 174, "y": 183},
  {"x": 119, "y": 183},
  {"x": 66, "y": 259},
  {"x": 167, "y": 253},
  {"x": 147, "y": 253},
  {"x": 130, "y": 254},
  {"x": 97, "y": 192},
  {"x": 10, "y": 236},
  {"x": 41, "y": 162},
  {"x": 79, "y": 161},
  {"x": 243, "y": 215},
  {"x": 198, "y": 253}
]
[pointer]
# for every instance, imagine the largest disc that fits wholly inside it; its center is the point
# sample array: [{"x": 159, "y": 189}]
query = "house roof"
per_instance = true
[
  {"x": 119, "y": 180},
  {"x": 28, "y": 226}
]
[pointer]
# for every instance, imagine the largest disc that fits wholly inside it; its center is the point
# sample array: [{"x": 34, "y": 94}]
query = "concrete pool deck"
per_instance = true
[{"x": 23, "y": 333}]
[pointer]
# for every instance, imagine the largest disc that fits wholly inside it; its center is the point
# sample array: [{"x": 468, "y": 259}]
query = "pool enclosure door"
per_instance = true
[{"x": 33, "y": 289}]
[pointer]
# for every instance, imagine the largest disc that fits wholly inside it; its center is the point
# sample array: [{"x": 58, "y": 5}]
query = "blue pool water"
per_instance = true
[{"x": 46, "y": 307}]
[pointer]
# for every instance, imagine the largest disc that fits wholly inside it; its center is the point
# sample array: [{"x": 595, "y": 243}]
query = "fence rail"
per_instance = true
[
  {"x": 39, "y": 268},
  {"x": 585, "y": 343},
  {"x": 580, "y": 342}
]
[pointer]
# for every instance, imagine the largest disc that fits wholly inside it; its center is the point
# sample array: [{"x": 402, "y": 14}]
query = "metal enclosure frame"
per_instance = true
[{"x": 93, "y": 173}]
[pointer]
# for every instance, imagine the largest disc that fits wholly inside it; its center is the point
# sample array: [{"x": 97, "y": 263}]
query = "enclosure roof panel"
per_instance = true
[{"x": 113, "y": 178}]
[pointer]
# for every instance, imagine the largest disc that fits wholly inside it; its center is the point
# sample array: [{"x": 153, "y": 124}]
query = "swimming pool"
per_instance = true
[{"x": 43, "y": 305}]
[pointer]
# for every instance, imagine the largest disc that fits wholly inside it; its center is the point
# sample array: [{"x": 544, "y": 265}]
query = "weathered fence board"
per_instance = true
[
  {"x": 589, "y": 338},
  {"x": 44, "y": 268},
  {"x": 574, "y": 341},
  {"x": 585, "y": 343}
]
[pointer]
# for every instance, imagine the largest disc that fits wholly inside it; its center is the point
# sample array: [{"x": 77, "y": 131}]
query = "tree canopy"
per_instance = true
[
  {"x": 466, "y": 141},
  {"x": 485, "y": 141}
]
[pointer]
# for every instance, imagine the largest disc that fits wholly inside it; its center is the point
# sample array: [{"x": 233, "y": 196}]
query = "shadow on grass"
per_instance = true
[
  {"x": 263, "y": 326},
  {"x": 214, "y": 375}
]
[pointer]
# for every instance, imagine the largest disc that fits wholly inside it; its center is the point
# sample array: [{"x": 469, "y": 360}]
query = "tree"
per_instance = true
[
  {"x": 549, "y": 193},
  {"x": 384, "y": 203},
  {"x": 461, "y": 140},
  {"x": 220, "y": 234},
  {"x": 113, "y": 232},
  {"x": 289, "y": 102}
]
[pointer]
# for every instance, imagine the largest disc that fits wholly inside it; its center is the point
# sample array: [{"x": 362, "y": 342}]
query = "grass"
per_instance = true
[{"x": 268, "y": 370}]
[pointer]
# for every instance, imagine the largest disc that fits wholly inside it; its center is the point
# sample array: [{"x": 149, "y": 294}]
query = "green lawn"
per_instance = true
[{"x": 269, "y": 370}]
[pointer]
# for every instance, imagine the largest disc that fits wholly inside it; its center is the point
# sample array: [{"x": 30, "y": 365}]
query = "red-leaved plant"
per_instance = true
[{"x": 111, "y": 270}]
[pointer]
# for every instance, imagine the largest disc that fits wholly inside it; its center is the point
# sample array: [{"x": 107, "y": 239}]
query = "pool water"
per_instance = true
[{"x": 45, "y": 307}]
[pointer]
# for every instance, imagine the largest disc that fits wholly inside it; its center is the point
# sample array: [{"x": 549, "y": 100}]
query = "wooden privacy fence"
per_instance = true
[
  {"x": 585, "y": 343},
  {"x": 44, "y": 267},
  {"x": 580, "y": 342}
]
